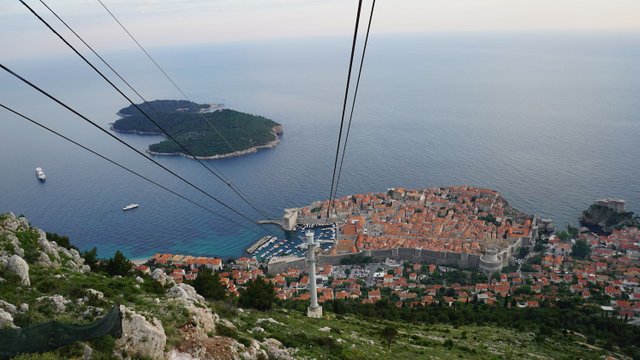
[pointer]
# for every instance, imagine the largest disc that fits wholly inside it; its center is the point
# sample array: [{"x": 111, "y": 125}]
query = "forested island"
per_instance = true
[{"x": 207, "y": 131}]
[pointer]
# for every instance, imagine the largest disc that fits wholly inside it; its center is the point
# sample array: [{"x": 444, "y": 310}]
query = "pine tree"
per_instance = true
[
  {"x": 208, "y": 285},
  {"x": 258, "y": 294},
  {"x": 118, "y": 265},
  {"x": 389, "y": 334}
]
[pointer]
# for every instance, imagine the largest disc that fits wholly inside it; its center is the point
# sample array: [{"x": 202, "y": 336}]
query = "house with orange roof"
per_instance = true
[
  {"x": 387, "y": 280},
  {"x": 247, "y": 263}
]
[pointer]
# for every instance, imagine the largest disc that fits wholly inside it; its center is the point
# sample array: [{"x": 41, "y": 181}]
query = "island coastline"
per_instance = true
[
  {"x": 233, "y": 154},
  {"x": 251, "y": 143}
]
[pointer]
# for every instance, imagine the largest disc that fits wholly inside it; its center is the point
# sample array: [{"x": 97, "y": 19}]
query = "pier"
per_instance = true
[
  {"x": 280, "y": 223},
  {"x": 251, "y": 249}
]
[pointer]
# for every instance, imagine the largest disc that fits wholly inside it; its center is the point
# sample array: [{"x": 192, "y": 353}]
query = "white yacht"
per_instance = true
[
  {"x": 40, "y": 174},
  {"x": 129, "y": 207}
]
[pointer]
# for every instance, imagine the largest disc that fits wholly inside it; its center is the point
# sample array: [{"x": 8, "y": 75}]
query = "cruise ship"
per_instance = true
[
  {"x": 129, "y": 207},
  {"x": 40, "y": 174}
]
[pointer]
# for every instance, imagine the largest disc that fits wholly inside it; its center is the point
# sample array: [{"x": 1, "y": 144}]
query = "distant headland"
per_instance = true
[{"x": 208, "y": 131}]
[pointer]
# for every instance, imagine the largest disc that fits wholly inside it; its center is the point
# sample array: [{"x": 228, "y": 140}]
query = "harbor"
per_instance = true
[
  {"x": 269, "y": 246},
  {"x": 260, "y": 244}
]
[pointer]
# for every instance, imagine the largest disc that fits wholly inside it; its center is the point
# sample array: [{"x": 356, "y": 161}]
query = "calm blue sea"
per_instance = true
[{"x": 552, "y": 121}]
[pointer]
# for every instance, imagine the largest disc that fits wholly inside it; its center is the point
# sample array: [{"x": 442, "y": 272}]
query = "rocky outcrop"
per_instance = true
[
  {"x": 12, "y": 223},
  {"x": 48, "y": 253},
  {"x": 160, "y": 276},
  {"x": 6, "y": 320},
  {"x": 58, "y": 302},
  {"x": 268, "y": 320},
  {"x": 12, "y": 244},
  {"x": 141, "y": 337},
  {"x": 47, "y": 247},
  {"x": 604, "y": 220},
  {"x": 276, "y": 351},
  {"x": 94, "y": 294},
  {"x": 185, "y": 292},
  {"x": 8, "y": 307},
  {"x": 20, "y": 268},
  {"x": 254, "y": 352}
]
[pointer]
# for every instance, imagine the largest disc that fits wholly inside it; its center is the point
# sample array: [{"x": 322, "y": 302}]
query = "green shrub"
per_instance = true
[
  {"x": 105, "y": 344},
  {"x": 227, "y": 331}
]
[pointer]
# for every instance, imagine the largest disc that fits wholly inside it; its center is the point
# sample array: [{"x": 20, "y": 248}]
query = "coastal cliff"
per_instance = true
[{"x": 602, "y": 219}]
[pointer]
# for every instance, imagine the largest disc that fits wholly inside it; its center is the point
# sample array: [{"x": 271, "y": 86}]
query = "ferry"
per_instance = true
[
  {"x": 40, "y": 174},
  {"x": 129, "y": 207}
]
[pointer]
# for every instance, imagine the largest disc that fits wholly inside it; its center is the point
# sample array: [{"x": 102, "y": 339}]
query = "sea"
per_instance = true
[{"x": 550, "y": 120}]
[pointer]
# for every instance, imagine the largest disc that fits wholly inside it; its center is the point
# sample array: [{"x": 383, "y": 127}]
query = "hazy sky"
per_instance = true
[{"x": 170, "y": 22}]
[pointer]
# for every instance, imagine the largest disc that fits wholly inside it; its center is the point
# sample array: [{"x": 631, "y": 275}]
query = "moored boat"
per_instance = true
[{"x": 40, "y": 174}]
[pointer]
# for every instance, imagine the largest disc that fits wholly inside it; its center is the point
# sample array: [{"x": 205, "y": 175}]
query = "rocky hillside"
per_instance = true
[{"x": 42, "y": 281}]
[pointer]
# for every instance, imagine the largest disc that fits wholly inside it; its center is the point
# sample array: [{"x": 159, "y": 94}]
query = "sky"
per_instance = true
[{"x": 186, "y": 22}]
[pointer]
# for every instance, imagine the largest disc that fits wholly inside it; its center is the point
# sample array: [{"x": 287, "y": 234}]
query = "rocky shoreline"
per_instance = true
[{"x": 277, "y": 131}]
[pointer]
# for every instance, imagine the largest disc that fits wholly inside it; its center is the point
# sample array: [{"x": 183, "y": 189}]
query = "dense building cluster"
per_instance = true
[
  {"x": 609, "y": 277},
  {"x": 460, "y": 219}
]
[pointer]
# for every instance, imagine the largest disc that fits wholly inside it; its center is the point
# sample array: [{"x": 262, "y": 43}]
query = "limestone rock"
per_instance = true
[
  {"x": 325, "y": 329},
  {"x": 159, "y": 276},
  {"x": 254, "y": 352},
  {"x": 13, "y": 243},
  {"x": 139, "y": 280},
  {"x": 98, "y": 295},
  {"x": 275, "y": 350},
  {"x": 93, "y": 312},
  {"x": 10, "y": 222},
  {"x": 44, "y": 261},
  {"x": 141, "y": 337},
  {"x": 186, "y": 292},
  {"x": 58, "y": 301},
  {"x": 88, "y": 351},
  {"x": 202, "y": 318},
  {"x": 10, "y": 308},
  {"x": 268, "y": 320},
  {"x": 6, "y": 320},
  {"x": 63, "y": 252},
  {"x": 24, "y": 307},
  {"x": 18, "y": 266},
  {"x": 47, "y": 246},
  {"x": 227, "y": 324}
]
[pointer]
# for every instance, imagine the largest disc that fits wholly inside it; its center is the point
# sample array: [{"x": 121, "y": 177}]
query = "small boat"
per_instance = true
[
  {"x": 40, "y": 174},
  {"x": 129, "y": 207}
]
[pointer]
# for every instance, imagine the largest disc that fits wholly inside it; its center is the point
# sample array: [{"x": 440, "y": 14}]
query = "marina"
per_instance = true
[
  {"x": 291, "y": 245},
  {"x": 261, "y": 244}
]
